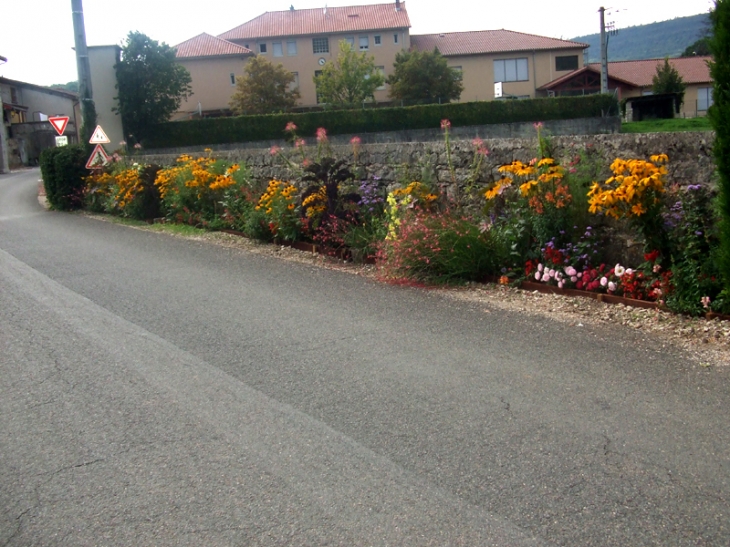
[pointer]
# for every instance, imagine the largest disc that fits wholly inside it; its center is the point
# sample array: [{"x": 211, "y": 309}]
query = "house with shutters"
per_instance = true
[
  {"x": 304, "y": 40},
  {"x": 634, "y": 79}
]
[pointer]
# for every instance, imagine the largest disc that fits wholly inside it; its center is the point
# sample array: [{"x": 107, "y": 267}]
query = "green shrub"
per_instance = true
[
  {"x": 271, "y": 126},
  {"x": 63, "y": 170}
]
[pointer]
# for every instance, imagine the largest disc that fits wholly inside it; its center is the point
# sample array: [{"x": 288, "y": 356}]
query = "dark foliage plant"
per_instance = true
[
  {"x": 719, "y": 114},
  {"x": 63, "y": 170}
]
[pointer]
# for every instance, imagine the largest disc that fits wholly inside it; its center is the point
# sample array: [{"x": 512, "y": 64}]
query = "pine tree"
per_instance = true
[{"x": 668, "y": 80}]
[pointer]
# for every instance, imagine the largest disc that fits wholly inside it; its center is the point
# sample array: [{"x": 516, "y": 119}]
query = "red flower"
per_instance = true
[{"x": 652, "y": 256}]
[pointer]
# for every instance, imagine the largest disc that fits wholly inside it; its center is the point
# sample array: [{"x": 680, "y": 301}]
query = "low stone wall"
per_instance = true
[{"x": 690, "y": 156}]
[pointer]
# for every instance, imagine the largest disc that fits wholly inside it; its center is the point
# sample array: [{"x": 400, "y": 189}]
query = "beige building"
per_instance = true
[
  {"x": 634, "y": 78},
  {"x": 304, "y": 40},
  {"x": 213, "y": 64},
  {"x": 519, "y": 63}
]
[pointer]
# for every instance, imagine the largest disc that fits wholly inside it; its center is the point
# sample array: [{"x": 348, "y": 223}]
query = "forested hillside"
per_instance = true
[{"x": 652, "y": 41}]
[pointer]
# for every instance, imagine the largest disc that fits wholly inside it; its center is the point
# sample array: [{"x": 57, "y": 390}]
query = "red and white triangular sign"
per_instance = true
[
  {"x": 59, "y": 123},
  {"x": 98, "y": 158},
  {"x": 99, "y": 137}
]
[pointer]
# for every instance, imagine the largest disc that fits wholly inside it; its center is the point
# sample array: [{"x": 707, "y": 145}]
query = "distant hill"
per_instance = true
[{"x": 653, "y": 41}]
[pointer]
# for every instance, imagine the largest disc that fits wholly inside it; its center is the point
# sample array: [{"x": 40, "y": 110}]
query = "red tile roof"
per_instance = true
[
  {"x": 321, "y": 21},
  {"x": 205, "y": 45},
  {"x": 693, "y": 70},
  {"x": 488, "y": 41}
]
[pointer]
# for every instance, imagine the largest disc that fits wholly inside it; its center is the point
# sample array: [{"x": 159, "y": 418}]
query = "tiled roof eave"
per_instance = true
[{"x": 307, "y": 34}]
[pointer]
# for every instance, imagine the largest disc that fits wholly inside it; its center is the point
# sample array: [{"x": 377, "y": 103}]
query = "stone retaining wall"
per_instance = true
[{"x": 690, "y": 155}]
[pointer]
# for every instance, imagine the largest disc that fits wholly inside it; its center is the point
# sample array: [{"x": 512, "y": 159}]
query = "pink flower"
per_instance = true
[
  {"x": 570, "y": 270},
  {"x": 560, "y": 284},
  {"x": 538, "y": 275},
  {"x": 290, "y": 127},
  {"x": 478, "y": 143},
  {"x": 299, "y": 143},
  {"x": 445, "y": 124},
  {"x": 138, "y": 146},
  {"x": 321, "y": 134},
  {"x": 604, "y": 281},
  {"x": 274, "y": 150},
  {"x": 705, "y": 301},
  {"x": 629, "y": 271},
  {"x": 546, "y": 277},
  {"x": 656, "y": 268},
  {"x": 355, "y": 141},
  {"x": 537, "y": 125},
  {"x": 533, "y": 161},
  {"x": 611, "y": 286},
  {"x": 657, "y": 292},
  {"x": 540, "y": 267},
  {"x": 574, "y": 278}
]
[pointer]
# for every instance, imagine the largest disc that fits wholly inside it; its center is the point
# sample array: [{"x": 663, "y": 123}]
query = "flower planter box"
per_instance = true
[{"x": 601, "y": 297}]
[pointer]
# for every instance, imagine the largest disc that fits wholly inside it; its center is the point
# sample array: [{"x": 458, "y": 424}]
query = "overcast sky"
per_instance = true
[{"x": 37, "y": 35}]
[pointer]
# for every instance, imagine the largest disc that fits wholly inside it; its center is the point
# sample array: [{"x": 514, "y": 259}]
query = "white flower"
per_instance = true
[
  {"x": 604, "y": 281},
  {"x": 611, "y": 286},
  {"x": 629, "y": 271},
  {"x": 619, "y": 270}
]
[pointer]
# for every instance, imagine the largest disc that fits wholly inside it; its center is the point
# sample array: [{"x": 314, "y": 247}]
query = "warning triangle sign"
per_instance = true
[
  {"x": 59, "y": 123},
  {"x": 98, "y": 158},
  {"x": 99, "y": 137}
]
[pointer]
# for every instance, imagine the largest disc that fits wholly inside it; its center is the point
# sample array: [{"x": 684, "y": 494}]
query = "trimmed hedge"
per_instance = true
[
  {"x": 338, "y": 122},
  {"x": 63, "y": 169}
]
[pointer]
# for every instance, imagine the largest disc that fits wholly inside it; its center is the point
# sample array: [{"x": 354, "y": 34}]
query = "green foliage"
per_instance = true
[
  {"x": 63, "y": 170},
  {"x": 668, "y": 80},
  {"x": 150, "y": 83},
  {"x": 668, "y": 125},
  {"x": 424, "y": 77},
  {"x": 264, "y": 89},
  {"x": 72, "y": 87},
  {"x": 350, "y": 81},
  {"x": 700, "y": 48},
  {"x": 720, "y": 117},
  {"x": 271, "y": 126}
]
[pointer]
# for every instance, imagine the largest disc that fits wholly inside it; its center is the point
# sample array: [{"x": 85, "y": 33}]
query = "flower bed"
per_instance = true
[{"x": 545, "y": 224}]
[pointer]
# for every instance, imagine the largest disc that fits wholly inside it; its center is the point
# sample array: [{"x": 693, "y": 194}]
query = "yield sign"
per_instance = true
[
  {"x": 99, "y": 137},
  {"x": 59, "y": 123},
  {"x": 98, "y": 158}
]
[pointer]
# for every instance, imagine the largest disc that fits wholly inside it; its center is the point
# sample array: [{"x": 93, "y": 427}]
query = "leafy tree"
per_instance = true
[
  {"x": 264, "y": 89},
  {"x": 423, "y": 77},
  {"x": 72, "y": 87},
  {"x": 150, "y": 83},
  {"x": 668, "y": 80},
  {"x": 700, "y": 48},
  {"x": 351, "y": 80},
  {"x": 720, "y": 118}
]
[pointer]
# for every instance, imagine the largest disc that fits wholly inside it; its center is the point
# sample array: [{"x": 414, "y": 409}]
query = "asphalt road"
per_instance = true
[{"x": 163, "y": 391}]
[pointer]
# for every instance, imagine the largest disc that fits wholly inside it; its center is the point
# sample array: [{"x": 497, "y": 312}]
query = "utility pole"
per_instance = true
[
  {"x": 604, "y": 52},
  {"x": 82, "y": 58}
]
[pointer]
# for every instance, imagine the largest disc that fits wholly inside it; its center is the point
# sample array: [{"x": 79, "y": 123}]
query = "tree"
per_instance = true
[
  {"x": 150, "y": 83},
  {"x": 720, "y": 118},
  {"x": 265, "y": 88},
  {"x": 700, "y": 48},
  {"x": 423, "y": 77},
  {"x": 350, "y": 81},
  {"x": 668, "y": 80}
]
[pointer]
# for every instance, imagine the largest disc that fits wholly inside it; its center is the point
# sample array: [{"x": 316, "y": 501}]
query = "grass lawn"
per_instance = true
[{"x": 675, "y": 124}]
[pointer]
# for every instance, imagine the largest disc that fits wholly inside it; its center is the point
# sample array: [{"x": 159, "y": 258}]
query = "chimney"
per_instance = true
[
  {"x": 291, "y": 8},
  {"x": 397, "y": 5}
]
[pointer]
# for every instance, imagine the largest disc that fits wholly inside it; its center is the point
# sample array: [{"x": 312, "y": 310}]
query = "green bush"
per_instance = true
[
  {"x": 271, "y": 126},
  {"x": 63, "y": 170}
]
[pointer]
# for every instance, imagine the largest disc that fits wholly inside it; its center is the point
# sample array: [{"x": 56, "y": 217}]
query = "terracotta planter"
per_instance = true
[{"x": 715, "y": 315}]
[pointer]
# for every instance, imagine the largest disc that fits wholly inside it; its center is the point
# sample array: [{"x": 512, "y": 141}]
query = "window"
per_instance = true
[
  {"x": 704, "y": 98},
  {"x": 458, "y": 71},
  {"x": 262, "y": 49},
  {"x": 376, "y": 40},
  {"x": 364, "y": 43},
  {"x": 291, "y": 47},
  {"x": 320, "y": 45},
  {"x": 381, "y": 71},
  {"x": 511, "y": 70},
  {"x": 569, "y": 62},
  {"x": 350, "y": 40},
  {"x": 277, "y": 50},
  {"x": 233, "y": 79},
  {"x": 295, "y": 84},
  {"x": 395, "y": 38}
]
